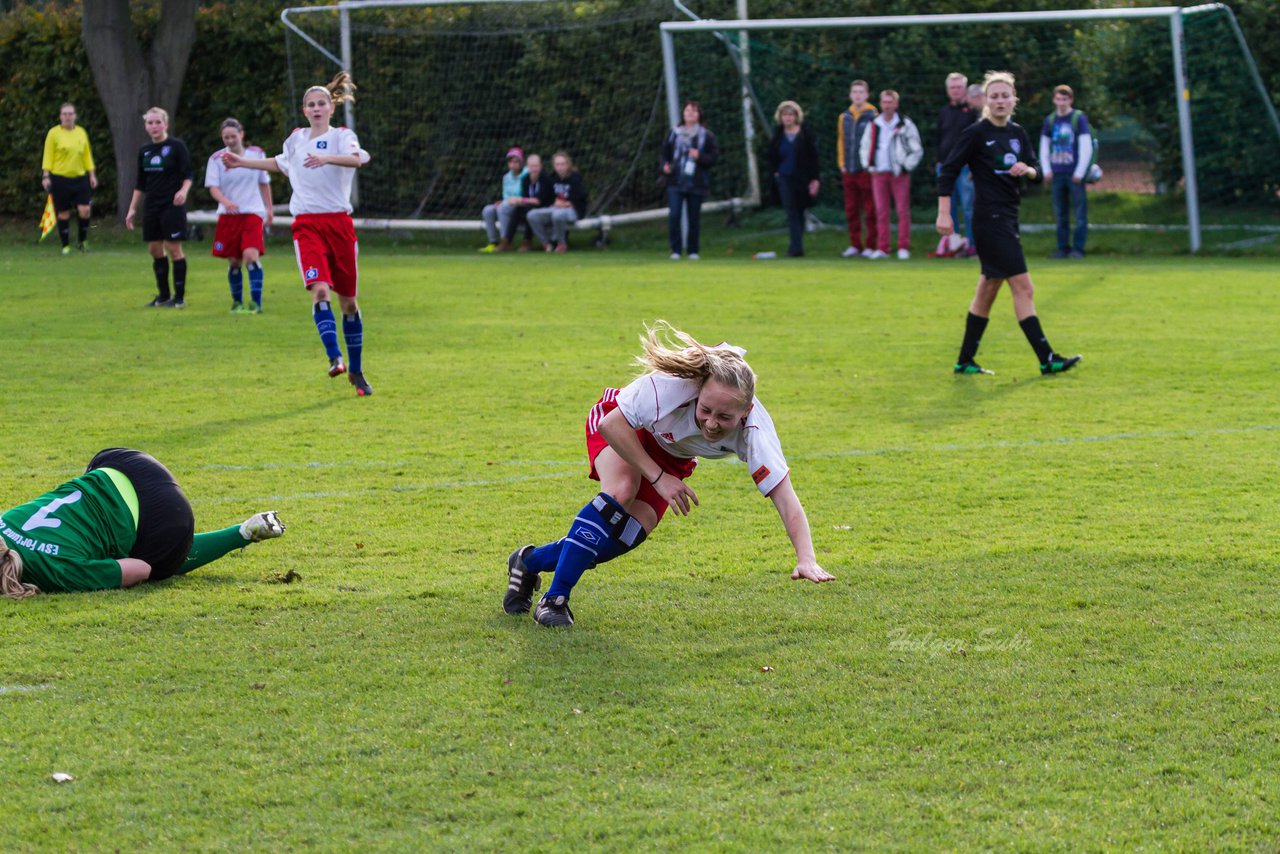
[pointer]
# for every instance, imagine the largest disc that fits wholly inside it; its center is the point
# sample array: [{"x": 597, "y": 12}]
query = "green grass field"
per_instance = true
[{"x": 1054, "y": 624}]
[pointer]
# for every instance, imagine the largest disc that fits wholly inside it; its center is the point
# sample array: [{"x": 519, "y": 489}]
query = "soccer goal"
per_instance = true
[
  {"x": 1186, "y": 127},
  {"x": 447, "y": 87}
]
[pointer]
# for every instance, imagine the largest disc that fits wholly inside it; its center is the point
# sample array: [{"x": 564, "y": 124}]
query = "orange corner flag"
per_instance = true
[{"x": 47, "y": 219}]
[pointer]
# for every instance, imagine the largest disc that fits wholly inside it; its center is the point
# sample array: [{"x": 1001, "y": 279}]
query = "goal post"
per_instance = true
[
  {"x": 446, "y": 87},
  {"x": 1203, "y": 51}
]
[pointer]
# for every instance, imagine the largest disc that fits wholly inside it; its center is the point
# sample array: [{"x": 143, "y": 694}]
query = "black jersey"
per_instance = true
[
  {"x": 162, "y": 167},
  {"x": 989, "y": 151}
]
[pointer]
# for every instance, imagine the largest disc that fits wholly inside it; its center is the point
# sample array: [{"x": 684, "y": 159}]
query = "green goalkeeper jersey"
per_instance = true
[{"x": 70, "y": 538}]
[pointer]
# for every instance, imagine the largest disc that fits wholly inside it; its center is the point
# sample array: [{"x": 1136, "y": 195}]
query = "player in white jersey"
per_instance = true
[
  {"x": 320, "y": 163},
  {"x": 642, "y": 442},
  {"x": 244, "y": 204}
]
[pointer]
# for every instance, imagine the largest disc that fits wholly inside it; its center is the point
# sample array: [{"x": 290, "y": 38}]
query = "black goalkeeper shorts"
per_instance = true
[{"x": 166, "y": 523}]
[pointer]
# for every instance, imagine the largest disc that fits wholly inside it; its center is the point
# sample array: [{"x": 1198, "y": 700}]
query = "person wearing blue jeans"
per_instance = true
[
  {"x": 793, "y": 160},
  {"x": 688, "y": 152},
  {"x": 1066, "y": 147},
  {"x": 962, "y": 193}
]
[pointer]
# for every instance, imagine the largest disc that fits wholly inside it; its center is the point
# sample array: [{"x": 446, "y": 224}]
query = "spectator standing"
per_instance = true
[
  {"x": 855, "y": 180},
  {"x": 1066, "y": 146},
  {"x": 688, "y": 153},
  {"x": 891, "y": 149},
  {"x": 551, "y": 224},
  {"x": 952, "y": 119},
  {"x": 69, "y": 176},
  {"x": 164, "y": 179},
  {"x": 497, "y": 216},
  {"x": 536, "y": 191},
  {"x": 793, "y": 160}
]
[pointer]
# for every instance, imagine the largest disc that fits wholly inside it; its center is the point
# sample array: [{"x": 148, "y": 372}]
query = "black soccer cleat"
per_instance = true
[
  {"x": 160, "y": 303},
  {"x": 363, "y": 389},
  {"x": 522, "y": 583},
  {"x": 553, "y": 612},
  {"x": 336, "y": 367},
  {"x": 1059, "y": 364},
  {"x": 970, "y": 367}
]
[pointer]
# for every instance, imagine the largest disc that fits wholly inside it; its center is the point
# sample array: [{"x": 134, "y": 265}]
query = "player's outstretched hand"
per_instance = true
[
  {"x": 676, "y": 493},
  {"x": 813, "y": 572},
  {"x": 231, "y": 160}
]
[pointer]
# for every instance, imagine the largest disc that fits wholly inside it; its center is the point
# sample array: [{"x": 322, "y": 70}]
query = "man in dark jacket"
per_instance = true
[{"x": 952, "y": 119}]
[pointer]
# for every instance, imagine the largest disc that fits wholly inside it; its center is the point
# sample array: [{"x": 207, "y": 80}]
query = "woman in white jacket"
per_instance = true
[{"x": 891, "y": 149}]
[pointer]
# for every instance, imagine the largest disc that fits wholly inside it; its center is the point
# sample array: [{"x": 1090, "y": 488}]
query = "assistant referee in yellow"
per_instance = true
[{"x": 69, "y": 175}]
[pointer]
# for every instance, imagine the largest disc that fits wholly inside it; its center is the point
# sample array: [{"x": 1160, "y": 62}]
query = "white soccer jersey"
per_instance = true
[
  {"x": 664, "y": 405},
  {"x": 238, "y": 185},
  {"x": 323, "y": 190}
]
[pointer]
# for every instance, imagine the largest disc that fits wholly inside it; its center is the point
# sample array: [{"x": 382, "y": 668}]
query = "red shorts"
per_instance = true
[
  {"x": 236, "y": 233},
  {"x": 681, "y": 467},
  {"x": 327, "y": 250}
]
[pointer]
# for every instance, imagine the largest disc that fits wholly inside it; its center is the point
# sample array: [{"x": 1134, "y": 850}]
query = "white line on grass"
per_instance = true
[{"x": 19, "y": 689}]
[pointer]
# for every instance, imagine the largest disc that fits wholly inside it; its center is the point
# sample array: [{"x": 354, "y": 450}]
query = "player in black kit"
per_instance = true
[
  {"x": 164, "y": 177},
  {"x": 997, "y": 152}
]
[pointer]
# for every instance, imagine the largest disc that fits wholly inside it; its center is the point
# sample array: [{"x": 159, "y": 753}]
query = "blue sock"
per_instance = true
[
  {"x": 353, "y": 331},
  {"x": 327, "y": 326},
  {"x": 601, "y": 532},
  {"x": 255, "y": 282},
  {"x": 236, "y": 279},
  {"x": 544, "y": 558}
]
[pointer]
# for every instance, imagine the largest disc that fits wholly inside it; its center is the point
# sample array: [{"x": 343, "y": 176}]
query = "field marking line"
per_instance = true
[
  {"x": 578, "y": 467},
  {"x": 21, "y": 689}
]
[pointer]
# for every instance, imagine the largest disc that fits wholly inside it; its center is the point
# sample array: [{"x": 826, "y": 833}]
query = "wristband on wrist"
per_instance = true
[{"x": 658, "y": 477}]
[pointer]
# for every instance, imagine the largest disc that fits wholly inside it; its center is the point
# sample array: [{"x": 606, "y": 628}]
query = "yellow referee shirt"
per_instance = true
[{"x": 66, "y": 152}]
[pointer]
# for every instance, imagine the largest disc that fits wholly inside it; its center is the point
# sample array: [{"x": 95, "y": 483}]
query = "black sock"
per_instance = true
[
  {"x": 161, "y": 267},
  {"x": 83, "y": 222},
  {"x": 974, "y": 326},
  {"x": 1035, "y": 337},
  {"x": 180, "y": 279},
  {"x": 64, "y": 231}
]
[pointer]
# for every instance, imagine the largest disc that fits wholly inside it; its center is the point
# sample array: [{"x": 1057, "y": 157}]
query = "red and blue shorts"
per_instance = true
[
  {"x": 236, "y": 233},
  {"x": 680, "y": 467},
  {"x": 327, "y": 251}
]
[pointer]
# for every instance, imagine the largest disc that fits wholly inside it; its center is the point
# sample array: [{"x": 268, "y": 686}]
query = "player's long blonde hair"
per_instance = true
[
  {"x": 11, "y": 584},
  {"x": 998, "y": 77},
  {"x": 670, "y": 351},
  {"x": 340, "y": 89}
]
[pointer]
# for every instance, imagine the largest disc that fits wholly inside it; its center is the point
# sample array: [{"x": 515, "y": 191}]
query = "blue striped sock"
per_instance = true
[
  {"x": 236, "y": 279},
  {"x": 255, "y": 282},
  {"x": 353, "y": 331},
  {"x": 327, "y": 326}
]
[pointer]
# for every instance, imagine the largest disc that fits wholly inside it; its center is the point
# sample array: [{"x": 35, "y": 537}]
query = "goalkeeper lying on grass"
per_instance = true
[
  {"x": 122, "y": 522},
  {"x": 642, "y": 442}
]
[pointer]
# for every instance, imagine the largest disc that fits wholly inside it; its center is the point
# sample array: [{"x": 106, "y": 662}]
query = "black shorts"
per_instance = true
[
  {"x": 166, "y": 525},
  {"x": 167, "y": 223},
  {"x": 69, "y": 192},
  {"x": 999, "y": 245}
]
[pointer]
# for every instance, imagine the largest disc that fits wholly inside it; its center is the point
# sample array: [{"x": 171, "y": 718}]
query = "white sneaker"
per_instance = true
[
  {"x": 262, "y": 526},
  {"x": 868, "y": 253},
  {"x": 850, "y": 253},
  {"x": 675, "y": 256},
  {"x": 903, "y": 255},
  {"x": 877, "y": 255},
  {"x": 693, "y": 256}
]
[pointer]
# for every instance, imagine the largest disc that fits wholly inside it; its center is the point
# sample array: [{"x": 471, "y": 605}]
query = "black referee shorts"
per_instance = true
[
  {"x": 69, "y": 193},
  {"x": 166, "y": 223},
  {"x": 999, "y": 245},
  {"x": 166, "y": 524}
]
